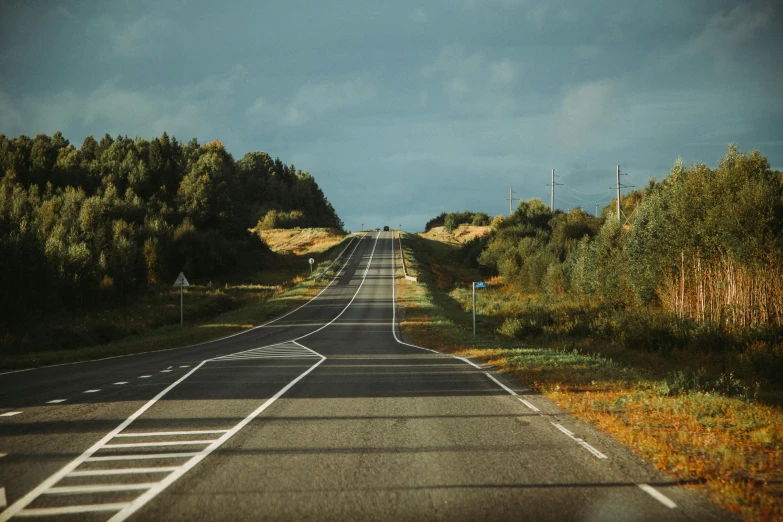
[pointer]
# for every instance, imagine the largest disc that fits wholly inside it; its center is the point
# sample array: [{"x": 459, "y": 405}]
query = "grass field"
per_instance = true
[
  {"x": 729, "y": 447},
  {"x": 212, "y": 309}
]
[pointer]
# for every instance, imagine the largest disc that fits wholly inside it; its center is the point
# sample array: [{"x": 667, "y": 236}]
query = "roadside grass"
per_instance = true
[
  {"x": 212, "y": 309},
  {"x": 730, "y": 447}
]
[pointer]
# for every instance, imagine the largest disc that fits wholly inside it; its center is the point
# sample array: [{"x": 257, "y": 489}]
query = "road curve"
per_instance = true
[{"x": 322, "y": 415}]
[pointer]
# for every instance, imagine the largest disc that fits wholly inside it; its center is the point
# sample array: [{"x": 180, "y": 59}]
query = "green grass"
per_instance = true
[
  {"x": 699, "y": 428},
  {"x": 213, "y": 309}
]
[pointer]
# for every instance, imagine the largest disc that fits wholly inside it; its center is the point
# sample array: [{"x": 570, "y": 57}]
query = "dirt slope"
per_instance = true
[{"x": 301, "y": 240}]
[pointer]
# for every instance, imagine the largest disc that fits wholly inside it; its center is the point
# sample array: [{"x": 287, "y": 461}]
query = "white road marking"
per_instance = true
[
  {"x": 91, "y": 391},
  {"x": 96, "y": 488},
  {"x": 10, "y": 413},
  {"x": 3, "y": 499},
  {"x": 121, "y": 382},
  {"x": 163, "y": 484},
  {"x": 523, "y": 401},
  {"x": 122, "y": 471},
  {"x": 156, "y": 444},
  {"x": 3, "y": 455},
  {"x": 185, "y": 366},
  {"x": 143, "y": 456},
  {"x": 581, "y": 442},
  {"x": 20, "y": 504},
  {"x": 144, "y": 376},
  {"x": 56, "y": 401},
  {"x": 464, "y": 359},
  {"x": 394, "y": 304},
  {"x": 167, "y": 433},
  {"x": 660, "y": 497},
  {"x": 509, "y": 390},
  {"x": 165, "y": 371},
  {"x": 71, "y": 510}
]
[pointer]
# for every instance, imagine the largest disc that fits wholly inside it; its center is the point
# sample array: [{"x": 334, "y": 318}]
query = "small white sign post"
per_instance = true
[
  {"x": 476, "y": 284},
  {"x": 181, "y": 282},
  {"x": 311, "y": 261}
]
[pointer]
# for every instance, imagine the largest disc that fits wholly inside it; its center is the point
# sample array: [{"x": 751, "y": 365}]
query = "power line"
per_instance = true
[{"x": 553, "y": 185}]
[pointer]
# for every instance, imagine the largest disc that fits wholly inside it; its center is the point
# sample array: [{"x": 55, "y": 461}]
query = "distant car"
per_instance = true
[
  {"x": 386, "y": 229},
  {"x": 377, "y": 229}
]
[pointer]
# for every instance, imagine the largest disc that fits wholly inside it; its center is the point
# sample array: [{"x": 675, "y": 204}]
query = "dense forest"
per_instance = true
[
  {"x": 121, "y": 215},
  {"x": 698, "y": 255}
]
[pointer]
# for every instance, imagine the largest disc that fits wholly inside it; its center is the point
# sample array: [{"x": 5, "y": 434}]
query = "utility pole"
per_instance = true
[
  {"x": 511, "y": 200},
  {"x": 619, "y": 185},
  {"x": 596, "y": 210},
  {"x": 618, "y": 192},
  {"x": 552, "y": 201}
]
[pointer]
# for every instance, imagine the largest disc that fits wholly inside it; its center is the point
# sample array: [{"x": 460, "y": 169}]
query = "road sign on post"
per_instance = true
[
  {"x": 476, "y": 284},
  {"x": 181, "y": 282},
  {"x": 311, "y": 261}
]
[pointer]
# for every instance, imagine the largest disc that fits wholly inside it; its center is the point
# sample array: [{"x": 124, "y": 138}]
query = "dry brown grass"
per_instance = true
[
  {"x": 729, "y": 448},
  {"x": 458, "y": 236},
  {"x": 301, "y": 241}
]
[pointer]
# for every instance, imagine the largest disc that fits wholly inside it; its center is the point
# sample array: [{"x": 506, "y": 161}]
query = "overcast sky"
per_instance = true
[{"x": 402, "y": 110}]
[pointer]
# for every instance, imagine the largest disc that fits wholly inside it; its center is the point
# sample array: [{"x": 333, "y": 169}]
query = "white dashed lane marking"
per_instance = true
[
  {"x": 144, "y": 376},
  {"x": 121, "y": 382},
  {"x": 581, "y": 442},
  {"x": 660, "y": 497},
  {"x": 165, "y": 371},
  {"x": 10, "y": 413},
  {"x": 91, "y": 391},
  {"x": 56, "y": 401},
  {"x": 185, "y": 366}
]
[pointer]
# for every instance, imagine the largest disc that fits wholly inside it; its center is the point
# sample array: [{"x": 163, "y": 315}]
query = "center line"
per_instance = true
[
  {"x": 91, "y": 391},
  {"x": 144, "y": 376},
  {"x": 56, "y": 401}
]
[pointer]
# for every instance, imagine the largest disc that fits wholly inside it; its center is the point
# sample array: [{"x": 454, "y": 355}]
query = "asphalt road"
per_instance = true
[{"x": 323, "y": 414}]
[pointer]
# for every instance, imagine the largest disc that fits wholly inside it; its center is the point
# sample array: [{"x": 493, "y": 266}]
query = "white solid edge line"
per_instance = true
[
  {"x": 509, "y": 390},
  {"x": 464, "y": 359},
  {"x": 97, "y": 488},
  {"x": 24, "y": 501},
  {"x": 121, "y": 471},
  {"x": 141, "y": 456},
  {"x": 150, "y": 494},
  {"x": 71, "y": 510},
  {"x": 579, "y": 441},
  {"x": 660, "y": 497},
  {"x": 394, "y": 303},
  {"x": 205, "y": 342},
  {"x": 167, "y": 433},
  {"x": 523, "y": 401}
]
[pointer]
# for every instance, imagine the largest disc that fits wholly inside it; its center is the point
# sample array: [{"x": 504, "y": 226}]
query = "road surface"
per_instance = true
[{"x": 323, "y": 414}]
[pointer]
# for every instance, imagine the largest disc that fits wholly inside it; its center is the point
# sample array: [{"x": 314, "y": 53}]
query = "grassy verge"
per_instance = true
[
  {"x": 729, "y": 447},
  {"x": 212, "y": 309}
]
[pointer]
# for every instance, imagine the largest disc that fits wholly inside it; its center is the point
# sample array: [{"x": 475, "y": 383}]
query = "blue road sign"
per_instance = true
[{"x": 479, "y": 284}]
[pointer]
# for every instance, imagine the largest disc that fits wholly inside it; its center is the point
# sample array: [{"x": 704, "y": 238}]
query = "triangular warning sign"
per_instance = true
[{"x": 181, "y": 281}]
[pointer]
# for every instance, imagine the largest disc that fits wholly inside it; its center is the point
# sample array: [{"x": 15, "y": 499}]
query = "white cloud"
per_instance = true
[
  {"x": 418, "y": 16},
  {"x": 503, "y": 72},
  {"x": 472, "y": 82},
  {"x": 588, "y": 50},
  {"x": 130, "y": 39},
  {"x": 727, "y": 31},
  {"x": 586, "y": 113},
  {"x": 537, "y": 15},
  {"x": 312, "y": 101}
]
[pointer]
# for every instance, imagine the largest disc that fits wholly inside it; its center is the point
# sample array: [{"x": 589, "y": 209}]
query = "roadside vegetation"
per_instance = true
[
  {"x": 663, "y": 330},
  {"x": 212, "y": 309},
  {"x": 91, "y": 238}
]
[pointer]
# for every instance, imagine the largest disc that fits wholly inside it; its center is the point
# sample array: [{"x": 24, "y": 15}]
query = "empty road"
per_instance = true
[{"x": 323, "y": 414}]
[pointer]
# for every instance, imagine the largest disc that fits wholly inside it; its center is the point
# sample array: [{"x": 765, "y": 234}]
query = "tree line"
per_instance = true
[
  {"x": 705, "y": 245},
  {"x": 451, "y": 220},
  {"x": 119, "y": 215}
]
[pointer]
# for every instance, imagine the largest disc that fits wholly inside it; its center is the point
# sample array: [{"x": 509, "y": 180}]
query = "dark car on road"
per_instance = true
[{"x": 386, "y": 229}]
